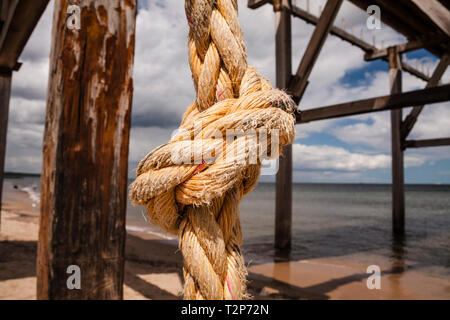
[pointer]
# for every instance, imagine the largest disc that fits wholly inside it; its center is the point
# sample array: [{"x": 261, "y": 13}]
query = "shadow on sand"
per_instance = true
[{"x": 18, "y": 260}]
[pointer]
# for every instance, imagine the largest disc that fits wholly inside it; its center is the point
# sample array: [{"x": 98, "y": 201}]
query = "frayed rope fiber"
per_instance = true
[{"x": 199, "y": 201}]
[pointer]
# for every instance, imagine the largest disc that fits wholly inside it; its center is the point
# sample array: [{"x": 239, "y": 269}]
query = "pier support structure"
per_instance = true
[
  {"x": 296, "y": 86},
  {"x": 283, "y": 197},
  {"x": 430, "y": 19},
  {"x": 5, "y": 93},
  {"x": 398, "y": 181},
  {"x": 85, "y": 164},
  {"x": 17, "y": 21}
]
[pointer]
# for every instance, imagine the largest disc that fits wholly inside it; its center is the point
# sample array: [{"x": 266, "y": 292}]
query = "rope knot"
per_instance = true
[{"x": 192, "y": 185}]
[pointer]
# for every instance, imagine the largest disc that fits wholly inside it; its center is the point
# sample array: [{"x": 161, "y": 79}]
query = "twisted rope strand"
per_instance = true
[{"x": 192, "y": 186}]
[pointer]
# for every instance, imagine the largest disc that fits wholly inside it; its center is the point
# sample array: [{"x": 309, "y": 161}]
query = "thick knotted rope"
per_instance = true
[{"x": 192, "y": 186}]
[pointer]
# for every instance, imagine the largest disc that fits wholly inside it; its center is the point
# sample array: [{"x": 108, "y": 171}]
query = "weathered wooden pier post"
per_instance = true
[
  {"x": 5, "y": 93},
  {"x": 296, "y": 86},
  {"x": 17, "y": 21},
  {"x": 84, "y": 177},
  {"x": 398, "y": 183},
  {"x": 283, "y": 198}
]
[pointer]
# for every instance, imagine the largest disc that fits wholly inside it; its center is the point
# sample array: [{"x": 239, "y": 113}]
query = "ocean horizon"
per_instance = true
[
  {"x": 352, "y": 221},
  {"x": 25, "y": 174}
]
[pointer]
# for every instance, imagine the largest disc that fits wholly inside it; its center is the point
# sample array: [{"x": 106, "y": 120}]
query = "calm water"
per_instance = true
[
  {"x": 337, "y": 220},
  {"x": 329, "y": 220}
]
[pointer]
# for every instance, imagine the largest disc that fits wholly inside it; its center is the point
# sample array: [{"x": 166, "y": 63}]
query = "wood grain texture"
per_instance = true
[{"x": 86, "y": 141}]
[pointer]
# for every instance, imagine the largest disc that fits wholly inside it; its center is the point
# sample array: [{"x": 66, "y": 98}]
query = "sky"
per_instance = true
[{"x": 348, "y": 150}]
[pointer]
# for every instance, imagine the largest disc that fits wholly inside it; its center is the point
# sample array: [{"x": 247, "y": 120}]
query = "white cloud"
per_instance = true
[
  {"x": 24, "y": 147},
  {"x": 330, "y": 158},
  {"x": 145, "y": 139},
  {"x": 163, "y": 85},
  {"x": 335, "y": 158},
  {"x": 433, "y": 122},
  {"x": 25, "y": 111},
  {"x": 164, "y": 89}
]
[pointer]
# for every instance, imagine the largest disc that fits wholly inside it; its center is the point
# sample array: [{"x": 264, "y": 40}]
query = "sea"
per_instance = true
[{"x": 352, "y": 221}]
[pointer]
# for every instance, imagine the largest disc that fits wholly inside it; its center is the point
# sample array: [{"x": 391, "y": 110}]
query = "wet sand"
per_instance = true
[{"x": 153, "y": 270}]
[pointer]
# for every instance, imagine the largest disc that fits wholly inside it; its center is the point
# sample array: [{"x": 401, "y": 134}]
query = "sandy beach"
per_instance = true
[{"x": 153, "y": 270}]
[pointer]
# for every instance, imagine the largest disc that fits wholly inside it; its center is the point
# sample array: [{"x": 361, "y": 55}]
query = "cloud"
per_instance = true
[
  {"x": 164, "y": 89},
  {"x": 163, "y": 85},
  {"x": 336, "y": 159},
  {"x": 26, "y": 111},
  {"x": 143, "y": 140},
  {"x": 31, "y": 81},
  {"x": 24, "y": 148},
  {"x": 330, "y": 158}
]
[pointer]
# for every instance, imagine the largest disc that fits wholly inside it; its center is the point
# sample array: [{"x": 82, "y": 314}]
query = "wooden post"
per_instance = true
[
  {"x": 283, "y": 205},
  {"x": 398, "y": 188},
  {"x": 427, "y": 143},
  {"x": 414, "y": 98},
  {"x": 5, "y": 93},
  {"x": 84, "y": 177},
  {"x": 436, "y": 12}
]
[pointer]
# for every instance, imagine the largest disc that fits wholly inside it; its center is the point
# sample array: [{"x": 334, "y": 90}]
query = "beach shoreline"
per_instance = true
[{"x": 153, "y": 270}]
